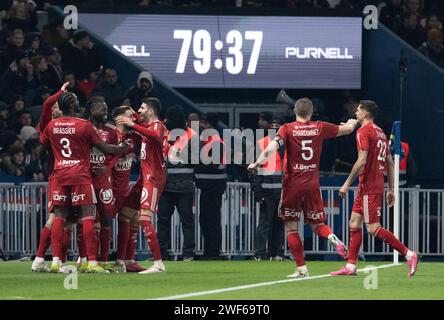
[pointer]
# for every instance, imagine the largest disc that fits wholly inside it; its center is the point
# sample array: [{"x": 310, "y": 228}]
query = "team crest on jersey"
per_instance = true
[
  {"x": 144, "y": 195},
  {"x": 106, "y": 195}
]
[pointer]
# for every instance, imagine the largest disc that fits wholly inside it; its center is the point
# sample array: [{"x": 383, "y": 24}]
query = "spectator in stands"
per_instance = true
[
  {"x": 33, "y": 43},
  {"x": 81, "y": 55},
  {"x": 22, "y": 15},
  {"x": 89, "y": 84},
  {"x": 18, "y": 78},
  {"x": 55, "y": 70},
  {"x": 14, "y": 47},
  {"x": 192, "y": 117},
  {"x": 26, "y": 133},
  {"x": 415, "y": 7},
  {"x": 17, "y": 105},
  {"x": 3, "y": 117},
  {"x": 33, "y": 161},
  {"x": 70, "y": 77},
  {"x": 40, "y": 69},
  {"x": 412, "y": 32},
  {"x": 110, "y": 89},
  {"x": 55, "y": 34},
  {"x": 41, "y": 94},
  {"x": 433, "y": 47},
  {"x": 433, "y": 22},
  {"x": 24, "y": 118},
  {"x": 391, "y": 15},
  {"x": 144, "y": 88},
  {"x": 13, "y": 162}
]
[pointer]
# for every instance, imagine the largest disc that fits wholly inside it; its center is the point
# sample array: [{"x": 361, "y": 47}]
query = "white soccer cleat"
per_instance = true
[
  {"x": 67, "y": 269},
  {"x": 153, "y": 269},
  {"x": 301, "y": 272},
  {"x": 120, "y": 267},
  {"x": 39, "y": 266}
]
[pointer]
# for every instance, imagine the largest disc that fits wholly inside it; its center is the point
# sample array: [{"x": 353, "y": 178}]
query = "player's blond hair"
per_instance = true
[{"x": 304, "y": 108}]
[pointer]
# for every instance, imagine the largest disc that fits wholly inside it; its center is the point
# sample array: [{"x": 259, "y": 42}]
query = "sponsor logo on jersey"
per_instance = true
[
  {"x": 57, "y": 197},
  {"x": 77, "y": 197},
  {"x": 96, "y": 156},
  {"x": 68, "y": 162},
  {"x": 144, "y": 195},
  {"x": 315, "y": 215},
  {"x": 106, "y": 196},
  {"x": 304, "y": 167},
  {"x": 124, "y": 164}
]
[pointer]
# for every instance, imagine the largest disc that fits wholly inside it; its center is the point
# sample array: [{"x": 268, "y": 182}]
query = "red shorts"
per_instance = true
[
  {"x": 50, "y": 190},
  {"x": 105, "y": 202},
  {"x": 145, "y": 195},
  {"x": 296, "y": 202},
  {"x": 120, "y": 200},
  {"x": 78, "y": 195},
  {"x": 369, "y": 206}
]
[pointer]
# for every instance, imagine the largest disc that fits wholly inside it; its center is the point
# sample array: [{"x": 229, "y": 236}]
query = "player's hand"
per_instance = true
[
  {"x": 253, "y": 167},
  {"x": 390, "y": 197},
  {"x": 343, "y": 191},
  {"x": 65, "y": 86},
  {"x": 125, "y": 121},
  {"x": 97, "y": 171}
]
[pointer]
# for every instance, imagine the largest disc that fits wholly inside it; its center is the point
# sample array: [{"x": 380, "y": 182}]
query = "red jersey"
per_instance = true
[
  {"x": 152, "y": 151},
  {"x": 372, "y": 139},
  {"x": 71, "y": 140},
  {"x": 303, "y": 144},
  {"x": 107, "y": 133},
  {"x": 122, "y": 167}
]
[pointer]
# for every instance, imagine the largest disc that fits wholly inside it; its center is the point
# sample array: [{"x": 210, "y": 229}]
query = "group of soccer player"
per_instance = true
[
  {"x": 89, "y": 185},
  {"x": 301, "y": 193},
  {"x": 89, "y": 182}
]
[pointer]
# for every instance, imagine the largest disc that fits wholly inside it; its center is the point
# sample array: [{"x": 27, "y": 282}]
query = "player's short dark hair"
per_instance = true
[
  {"x": 118, "y": 111},
  {"x": 154, "y": 104},
  {"x": 370, "y": 106},
  {"x": 93, "y": 103},
  {"x": 304, "y": 107},
  {"x": 68, "y": 102}
]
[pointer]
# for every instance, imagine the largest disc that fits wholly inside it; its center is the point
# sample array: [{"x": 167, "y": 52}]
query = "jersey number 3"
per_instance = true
[{"x": 66, "y": 150}]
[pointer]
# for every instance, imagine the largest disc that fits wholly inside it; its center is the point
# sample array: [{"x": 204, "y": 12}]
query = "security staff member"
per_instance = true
[
  {"x": 267, "y": 186},
  {"x": 211, "y": 179},
  {"x": 179, "y": 188}
]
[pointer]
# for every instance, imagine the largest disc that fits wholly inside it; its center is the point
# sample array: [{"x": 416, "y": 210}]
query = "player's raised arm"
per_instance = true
[
  {"x": 151, "y": 134},
  {"x": 358, "y": 166},
  {"x": 112, "y": 149},
  {"x": 347, "y": 128}
]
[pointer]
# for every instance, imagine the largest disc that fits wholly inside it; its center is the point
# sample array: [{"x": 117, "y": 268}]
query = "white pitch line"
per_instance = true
[{"x": 261, "y": 284}]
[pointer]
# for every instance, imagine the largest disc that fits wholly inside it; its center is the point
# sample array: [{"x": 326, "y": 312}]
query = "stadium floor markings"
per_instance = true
[{"x": 262, "y": 284}]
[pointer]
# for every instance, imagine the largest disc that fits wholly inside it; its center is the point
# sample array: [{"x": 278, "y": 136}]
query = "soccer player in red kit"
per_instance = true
[
  {"x": 102, "y": 180},
  {"x": 373, "y": 158},
  {"x": 146, "y": 193},
  {"x": 127, "y": 228},
  {"x": 71, "y": 140},
  {"x": 300, "y": 187}
]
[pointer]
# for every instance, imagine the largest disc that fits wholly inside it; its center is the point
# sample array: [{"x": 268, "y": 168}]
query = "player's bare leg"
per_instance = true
[
  {"x": 324, "y": 231},
  {"x": 38, "y": 265},
  {"x": 58, "y": 226},
  {"x": 124, "y": 218},
  {"x": 296, "y": 249},
  {"x": 412, "y": 259},
  {"x": 88, "y": 219},
  {"x": 130, "y": 258},
  {"x": 145, "y": 219},
  {"x": 65, "y": 245},
  {"x": 356, "y": 221},
  {"x": 82, "y": 262}
]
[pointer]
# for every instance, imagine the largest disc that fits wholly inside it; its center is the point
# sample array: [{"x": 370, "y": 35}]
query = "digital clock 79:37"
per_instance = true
[{"x": 202, "y": 47}]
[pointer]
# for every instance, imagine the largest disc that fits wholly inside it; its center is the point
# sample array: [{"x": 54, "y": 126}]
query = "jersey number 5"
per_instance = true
[
  {"x": 66, "y": 150},
  {"x": 307, "y": 151}
]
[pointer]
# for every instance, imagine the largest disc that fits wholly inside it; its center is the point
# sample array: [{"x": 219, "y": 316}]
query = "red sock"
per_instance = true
[
  {"x": 391, "y": 240},
  {"x": 97, "y": 236},
  {"x": 57, "y": 236},
  {"x": 323, "y": 231},
  {"x": 65, "y": 244},
  {"x": 296, "y": 248},
  {"x": 81, "y": 241},
  {"x": 132, "y": 243},
  {"x": 122, "y": 237},
  {"x": 105, "y": 241},
  {"x": 90, "y": 238},
  {"x": 45, "y": 242},
  {"x": 355, "y": 244},
  {"x": 150, "y": 234}
]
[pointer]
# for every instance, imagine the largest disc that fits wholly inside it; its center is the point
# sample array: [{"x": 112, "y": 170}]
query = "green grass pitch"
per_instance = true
[{"x": 18, "y": 282}]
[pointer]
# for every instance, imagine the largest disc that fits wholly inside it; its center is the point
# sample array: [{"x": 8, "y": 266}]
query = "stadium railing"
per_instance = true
[{"x": 23, "y": 214}]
